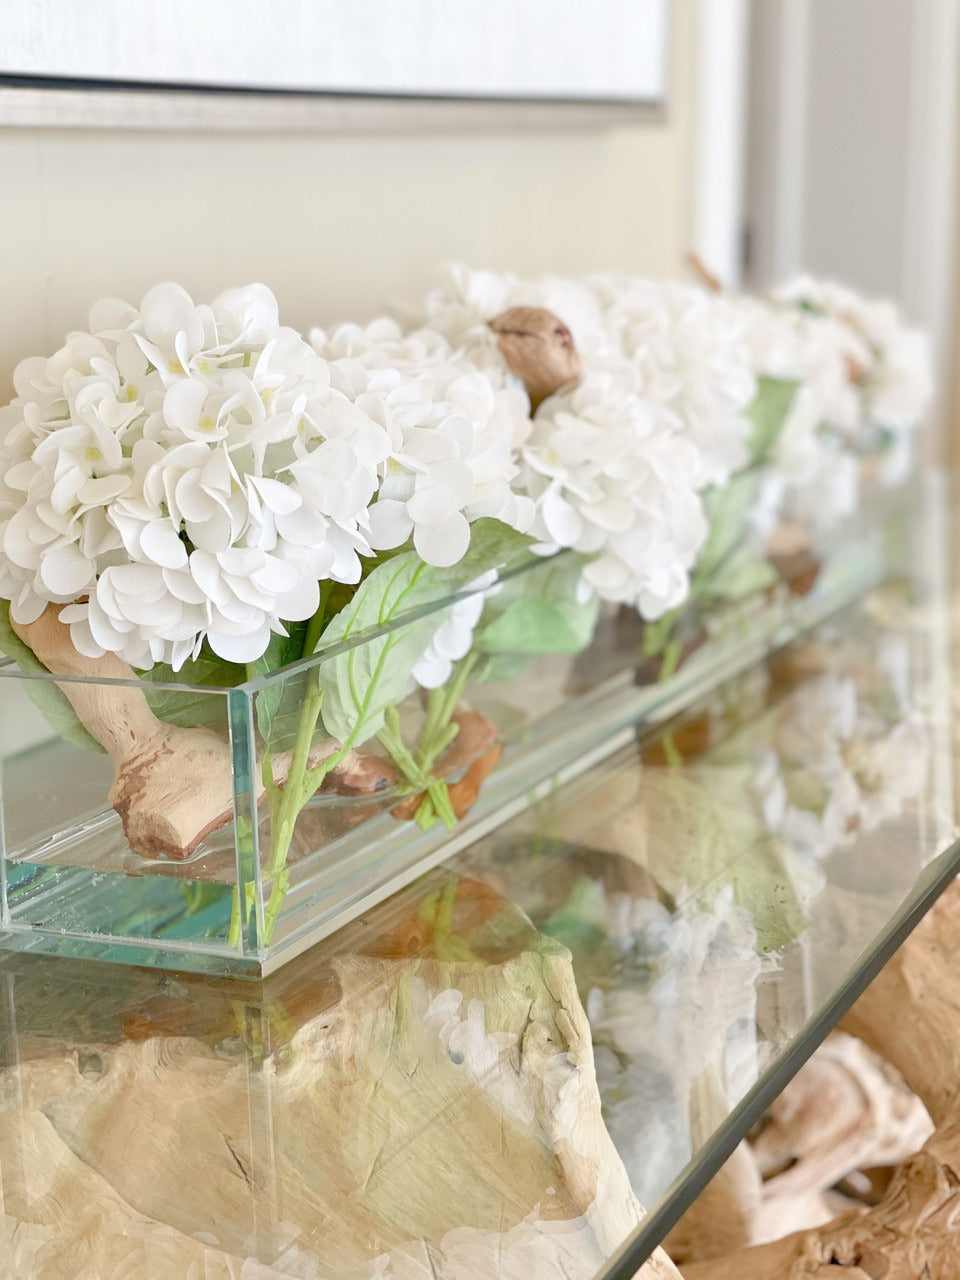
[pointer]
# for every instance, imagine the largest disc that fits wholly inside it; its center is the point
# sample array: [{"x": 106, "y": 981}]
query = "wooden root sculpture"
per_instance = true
[
  {"x": 539, "y": 349},
  {"x": 909, "y": 1014},
  {"x": 172, "y": 786}
]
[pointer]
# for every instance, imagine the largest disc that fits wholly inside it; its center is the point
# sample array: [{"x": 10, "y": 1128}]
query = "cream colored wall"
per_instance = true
[{"x": 336, "y": 225}]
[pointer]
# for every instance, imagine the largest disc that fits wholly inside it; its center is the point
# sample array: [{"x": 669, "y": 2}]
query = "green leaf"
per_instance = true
[
  {"x": 189, "y": 707},
  {"x": 495, "y": 668},
  {"x": 278, "y": 705},
  {"x": 359, "y": 685},
  {"x": 742, "y": 574},
  {"x": 727, "y": 511},
  {"x": 493, "y": 545},
  {"x": 52, "y": 703},
  {"x": 538, "y": 613},
  {"x": 282, "y": 650},
  {"x": 768, "y": 412}
]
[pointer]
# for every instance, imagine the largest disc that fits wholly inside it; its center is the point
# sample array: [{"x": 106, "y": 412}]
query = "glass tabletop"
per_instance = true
[{"x": 490, "y": 1073}]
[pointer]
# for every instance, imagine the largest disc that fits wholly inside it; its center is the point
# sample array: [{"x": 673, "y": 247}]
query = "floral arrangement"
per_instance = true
[{"x": 197, "y": 493}]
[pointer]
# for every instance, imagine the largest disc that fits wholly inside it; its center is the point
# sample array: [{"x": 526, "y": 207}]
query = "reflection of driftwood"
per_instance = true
[
  {"x": 909, "y": 1014},
  {"x": 439, "y": 1118}
]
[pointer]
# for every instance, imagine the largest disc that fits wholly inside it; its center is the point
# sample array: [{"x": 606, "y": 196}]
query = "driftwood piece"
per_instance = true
[
  {"x": 846, "y": 1109},
  {"x": 722, "y": 1217},
  {"x": 789, "y": 550},
  {"x": 538, "y": 347},
  {"x": 909, "y": 1014},
  {"x": 438, "y": 1121},
  {"x": 172, "y": 786}
]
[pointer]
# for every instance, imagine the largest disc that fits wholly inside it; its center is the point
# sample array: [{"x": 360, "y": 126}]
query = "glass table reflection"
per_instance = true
[{"x": 491, "y": 1072}]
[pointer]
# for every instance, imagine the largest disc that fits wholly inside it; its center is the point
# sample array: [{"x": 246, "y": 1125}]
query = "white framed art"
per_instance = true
[{"x": 608, "y": 53}]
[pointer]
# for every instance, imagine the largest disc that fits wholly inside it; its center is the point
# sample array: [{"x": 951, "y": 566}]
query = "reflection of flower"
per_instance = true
[
  {"x": 837, "y": 767},
  {"x": 679, "y": 1003},
  {"x": 489, "y": 1059}
]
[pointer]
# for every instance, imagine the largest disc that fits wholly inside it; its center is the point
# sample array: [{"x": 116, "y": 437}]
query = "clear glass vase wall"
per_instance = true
[{"x": 278, "y": 810}]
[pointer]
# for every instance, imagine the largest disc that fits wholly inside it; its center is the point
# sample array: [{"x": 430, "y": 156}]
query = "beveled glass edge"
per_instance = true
[
  {"x": 9, "y": 670},
  {"x": 405, "y": 619},
  {"x": 677, "y": 1199}
]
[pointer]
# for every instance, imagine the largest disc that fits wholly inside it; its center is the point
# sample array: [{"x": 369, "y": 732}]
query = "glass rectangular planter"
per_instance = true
[{"x": 249, "y": 879}]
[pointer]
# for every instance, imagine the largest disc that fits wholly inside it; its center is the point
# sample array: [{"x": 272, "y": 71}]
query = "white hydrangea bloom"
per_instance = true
[
  {"x": 870, "y": 374},
  {"x": 690, "y": 352},
  {"x": 810, "y": 475},
  {"x": 813, "y": 471},
  {"x": 465, "y": 300},
  {"x": 686, "y": 347},
  {"x": 183, "y": 472},
  {"x": 454, "y": 436},
  {"x": 895, "y": 376},
  {"x": 614, "y": 482},
  {"x": 613, "y": 463}
]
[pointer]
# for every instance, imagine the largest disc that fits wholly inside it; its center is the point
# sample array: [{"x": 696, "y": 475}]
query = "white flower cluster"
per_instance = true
[
  {"x": 614, "y": 482},
  {"x": 863, "y": 378},
  {"x": 615, "y": 464},
  {"x": 892, "y": 372},
  {"x": 186, "y": 473},
  {"x": 865, "y": 382},
  {"x": 454, "y": 436},
  {"x": 690, "y": 350},
  {"x": 182, "y": 472},
  {"x": 686, "y": 349}
]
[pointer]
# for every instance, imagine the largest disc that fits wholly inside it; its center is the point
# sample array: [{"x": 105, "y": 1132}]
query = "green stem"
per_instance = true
[
  {"x": 434, "y": 736},
  {"x": 233, "y": 933},
  {"x": 287, "y": 803},
  {"x": 671, "y": 659},
  {"x": 671, "y": 751},
  {"x": 302, "y": 783}
]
